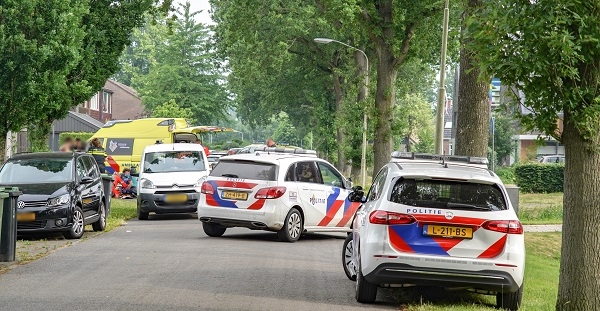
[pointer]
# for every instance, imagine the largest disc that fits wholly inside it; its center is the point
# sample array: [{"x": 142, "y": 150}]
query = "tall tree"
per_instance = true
[
  {"x": 549, "y": 51},
  {"x": 473, "y": 105}
]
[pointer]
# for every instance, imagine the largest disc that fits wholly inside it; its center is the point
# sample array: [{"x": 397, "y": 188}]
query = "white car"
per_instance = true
[
  {"x": 289, "y": 191},
  {"x": 170, "y": 178},
  {"x": 437, "y": 221}
]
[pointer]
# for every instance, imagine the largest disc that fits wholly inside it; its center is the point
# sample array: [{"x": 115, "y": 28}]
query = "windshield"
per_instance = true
[
  {"x": 174, "y": 161},
  {"x": 30, "y": 171},
  {"x": 245, "y": 170},
  {"x": 448, "y": 194}
]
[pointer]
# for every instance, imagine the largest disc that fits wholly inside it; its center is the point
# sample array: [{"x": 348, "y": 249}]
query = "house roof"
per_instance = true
[
  {"x": 87, "y": 119},
  {"x": 124, "y": 87},
  {"x": 76, "y": 122}
]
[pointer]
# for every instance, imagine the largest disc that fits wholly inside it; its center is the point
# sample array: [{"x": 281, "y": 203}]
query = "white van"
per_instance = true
[{"x": 170, "y": 178}]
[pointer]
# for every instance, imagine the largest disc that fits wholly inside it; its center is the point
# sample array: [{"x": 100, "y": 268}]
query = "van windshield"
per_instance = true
[{"x": 174, "y": 161}]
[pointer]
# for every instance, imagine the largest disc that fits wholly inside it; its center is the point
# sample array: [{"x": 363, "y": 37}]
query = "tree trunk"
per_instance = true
[
  {"x": 339, "y": 98},
  {"x": 580, "y": 263},
  {"x": 384, "y": 104},
  {"x": 473, "y": 117}
]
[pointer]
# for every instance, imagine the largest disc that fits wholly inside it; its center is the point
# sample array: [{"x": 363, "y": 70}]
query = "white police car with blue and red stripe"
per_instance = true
[
  {"x": 289, "y": 191},
  {"x": 436, "y": 221}
]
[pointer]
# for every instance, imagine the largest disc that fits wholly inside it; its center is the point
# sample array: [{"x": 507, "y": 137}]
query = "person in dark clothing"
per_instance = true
[{"x": 98, "y": 153}]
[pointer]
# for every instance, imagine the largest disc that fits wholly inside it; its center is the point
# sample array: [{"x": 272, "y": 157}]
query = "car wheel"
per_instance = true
[
  {"x": 292, "y": 227},
  {"x": 213, "y": 230},
  {"x": 509, "y": 301},
  {"x": 142, "y": 215},
  {"x": 100, "y": 224},
  {"x": 365, "y": 291},
  {"x": 77, "y": 229},
  {"x": 347, "y": 261}
]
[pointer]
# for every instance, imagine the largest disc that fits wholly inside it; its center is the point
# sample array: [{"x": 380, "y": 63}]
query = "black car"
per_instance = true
[{"x": 62, "y": 192}]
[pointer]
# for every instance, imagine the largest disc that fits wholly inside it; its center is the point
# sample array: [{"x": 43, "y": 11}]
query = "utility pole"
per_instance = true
[{"x": 439, "y": 124}]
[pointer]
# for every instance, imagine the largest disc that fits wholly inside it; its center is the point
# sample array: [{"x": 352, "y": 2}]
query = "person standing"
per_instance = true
[
  {"x": 271, "y": 143},
  {"x": 98, "y": 153},
  {"x": 67, "y": 145}
]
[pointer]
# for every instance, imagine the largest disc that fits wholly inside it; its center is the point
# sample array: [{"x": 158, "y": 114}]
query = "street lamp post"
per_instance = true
[
  {"x": 363, "y": 160},
  {"x": 439, "y": 124}
]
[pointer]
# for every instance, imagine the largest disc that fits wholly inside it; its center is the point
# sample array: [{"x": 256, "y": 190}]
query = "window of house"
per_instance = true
[
  {"x": 107, "y": 102},
  {"x": 94, "y": 105}
]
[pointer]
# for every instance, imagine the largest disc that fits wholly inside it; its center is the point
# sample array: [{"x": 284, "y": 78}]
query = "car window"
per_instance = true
[
  {"x": 290, "y": 176},
  {"x": 30, "y": 171},
  {"x": 174, "y": 161},
  {"x": 330, "y": 176},
  {"x": 448, "y": 195},
  {"x": 307, "y": 172},
  {"x": 91, "y": 168},
  {"x": 81, "y": 169},
  {"x": 245, "y": 170},
  {"x": 377, "y": 186}
]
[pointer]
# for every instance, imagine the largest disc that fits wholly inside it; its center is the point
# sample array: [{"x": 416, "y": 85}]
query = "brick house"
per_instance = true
[{"x": 115, "y": 101}]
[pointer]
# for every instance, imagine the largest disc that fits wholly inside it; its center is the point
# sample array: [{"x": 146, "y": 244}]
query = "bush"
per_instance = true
[
  {"x": 540, "y": 178},
  {"x": 85, "y": 136},
  {"x": 507, "y": 175}
]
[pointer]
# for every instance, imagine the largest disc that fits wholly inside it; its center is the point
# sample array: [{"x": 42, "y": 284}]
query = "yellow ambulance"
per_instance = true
[{"x": 125, "y": 140}]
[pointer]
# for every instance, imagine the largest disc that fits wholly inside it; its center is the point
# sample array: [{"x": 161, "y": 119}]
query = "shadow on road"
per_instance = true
[
  {"x": 164, "y": 217},
  {"x": 272, "y": 236}
]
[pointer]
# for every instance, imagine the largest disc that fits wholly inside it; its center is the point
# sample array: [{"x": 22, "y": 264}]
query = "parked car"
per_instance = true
[
  {"x": 170, "y": 178},
  {"x": 436, "y": 221},
  {"x": 552, "y": 159},
  {"x": 286, "y": 191},
  {"x": 233, "y": 151},
  {"x": 213, "y": 159},
  {"x": 62, "y": 192}
]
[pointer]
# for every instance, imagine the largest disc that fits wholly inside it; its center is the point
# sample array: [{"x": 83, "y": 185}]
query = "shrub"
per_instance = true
[
  {"x": 85, "y": 136},
  {"x": 540, "y": 178},
  {"x": 507, "y": 175}
]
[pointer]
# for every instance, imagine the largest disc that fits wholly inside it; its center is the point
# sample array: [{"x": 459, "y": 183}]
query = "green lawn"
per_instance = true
[
  {"x": 120, "y": 211},
  {"x": 540, "y": 208},
  {"x": 541, "y": 283}
]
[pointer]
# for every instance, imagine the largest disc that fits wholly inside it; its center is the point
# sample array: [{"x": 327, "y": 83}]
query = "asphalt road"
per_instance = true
[{"x": 168, "y": 263}]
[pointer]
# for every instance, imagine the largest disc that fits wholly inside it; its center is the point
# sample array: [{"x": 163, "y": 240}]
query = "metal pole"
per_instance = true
[{"x": 439, "y": 128}]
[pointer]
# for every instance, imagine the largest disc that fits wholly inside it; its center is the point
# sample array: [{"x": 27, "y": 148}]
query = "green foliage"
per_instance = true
[
  {"x": 286, "y": 133},
  {"x": 171, "y": 59},
  {"x": 413, "y": 117},
  {"x": 170, "y": 109},
  {"x": 507, "y": 175},
  {"x": 540, "y": 178},
  {"x": 504, "y": 142},
  {"x": 85, "y": 136}
]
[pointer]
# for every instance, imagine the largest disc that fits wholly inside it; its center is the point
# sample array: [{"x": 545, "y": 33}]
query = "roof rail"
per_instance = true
[
  {"x": 291, "y": 151},
  {"x": 442, "y": 159}
]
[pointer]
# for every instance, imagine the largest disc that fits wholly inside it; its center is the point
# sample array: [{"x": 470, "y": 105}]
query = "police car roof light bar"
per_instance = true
[
  {"x": 285, "y": 150},
  {"x": 437, "y": 157}
]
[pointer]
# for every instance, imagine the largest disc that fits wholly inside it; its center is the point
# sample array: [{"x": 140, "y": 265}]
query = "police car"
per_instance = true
[
  {"x": 438, "y": 221},
  {"x": 289, "y": 191}
]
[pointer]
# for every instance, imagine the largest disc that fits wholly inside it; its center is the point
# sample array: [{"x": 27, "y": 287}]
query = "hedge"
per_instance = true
[
  {"x": 540, "y": 178},
  {"x": 85, "y": 136}
]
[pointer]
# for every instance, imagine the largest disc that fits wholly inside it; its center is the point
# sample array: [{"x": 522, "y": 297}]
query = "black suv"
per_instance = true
[{"x": 62, "y": 192}]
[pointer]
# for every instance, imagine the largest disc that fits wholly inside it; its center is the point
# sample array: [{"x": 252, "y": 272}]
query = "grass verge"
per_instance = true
[
  {"x": 541, "y": 283},
  {"x": 540, "y": 208},
  {"x": 120, "y": 211}
]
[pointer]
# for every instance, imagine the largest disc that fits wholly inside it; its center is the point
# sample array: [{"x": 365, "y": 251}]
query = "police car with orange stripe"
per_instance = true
[
  {"x": 289, "y": 191},
  {"x": 438, "y": 221}
]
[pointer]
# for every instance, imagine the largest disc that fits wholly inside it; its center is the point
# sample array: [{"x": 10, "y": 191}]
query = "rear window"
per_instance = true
[
  {"x": 448, "y": 195},
  {"x": 245, "y": 170}
]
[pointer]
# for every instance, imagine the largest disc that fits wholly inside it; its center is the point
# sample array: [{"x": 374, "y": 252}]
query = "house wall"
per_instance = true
[
  {"x": 527, "y": 146},
  {"x": 126, "y": 105}
]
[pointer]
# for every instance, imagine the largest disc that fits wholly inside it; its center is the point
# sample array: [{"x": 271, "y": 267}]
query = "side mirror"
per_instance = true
[
  {"x": 348, "y": 183},
  {"x": 356, "y": 195},
  {"x": 134, "y": 172},
  {"x": 87, "y": 180}
]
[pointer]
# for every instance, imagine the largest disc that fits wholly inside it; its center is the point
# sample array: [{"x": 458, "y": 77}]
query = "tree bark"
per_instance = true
[
  {"x": 579, "y": 282},
  {"x": 339, "y": 98},
  {"x": 473, "y": 117},
  {"x": 384, "y": 104}
]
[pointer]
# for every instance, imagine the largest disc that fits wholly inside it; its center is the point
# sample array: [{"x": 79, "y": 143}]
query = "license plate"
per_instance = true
[
  {"x": 448, "y": 231},
  {"x": 25, "y": 216},
  {"x": 86, "y": 201},
  {"x": 176, "y": 198},
  {"x": 234, "y": 195}
]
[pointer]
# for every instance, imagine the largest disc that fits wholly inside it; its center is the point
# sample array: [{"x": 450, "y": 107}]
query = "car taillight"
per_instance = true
[
  {"x": 390, "y": 218},
  {"x": 207, "y": 188},
  {"x": 504, "y": 226},
  {"x": 270, "y": 193}
]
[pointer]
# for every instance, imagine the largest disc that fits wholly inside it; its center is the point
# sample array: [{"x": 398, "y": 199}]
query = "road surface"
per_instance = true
[{"x": 168, "y": 263}]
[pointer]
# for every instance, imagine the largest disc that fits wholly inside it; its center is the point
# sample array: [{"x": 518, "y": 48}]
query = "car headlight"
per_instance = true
[
  {"x": 60, "y": 200},
  {"x": 200, "y": 181},
  {"x": 147, "y": 184}
]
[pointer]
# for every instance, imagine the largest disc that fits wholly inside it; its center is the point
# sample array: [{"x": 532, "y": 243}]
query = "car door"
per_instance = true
[
  {"x": 85, "y": 190},
  {"x": 96, "y": 186},
  {"x": 338, "y": 206},
  {"x": 312, "y": 193}
]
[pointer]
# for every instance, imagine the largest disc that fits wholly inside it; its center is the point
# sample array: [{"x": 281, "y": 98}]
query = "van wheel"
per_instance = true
[
  {"x": 509, "y": 301},
  {"x": 213, "y": 230},
  {"x": 142, "y": 215},
  {"x": 77, "y": 229},
  {"x": 292, "y": 228}
]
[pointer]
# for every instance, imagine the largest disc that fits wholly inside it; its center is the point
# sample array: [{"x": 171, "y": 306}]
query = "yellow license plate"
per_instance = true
[
  {"x": 86, "y": 201},
  {"x": 234, "y": 195},
  {"x": 26, "y": 217},
  {"x": 448, "y": 231},
  {"x": 176, "y": 198}
]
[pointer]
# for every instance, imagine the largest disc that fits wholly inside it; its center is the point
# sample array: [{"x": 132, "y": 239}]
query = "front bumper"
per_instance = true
[
  {"x": 489, "y": 280},
  {"x": 45, "y": 220},
  {"x": 152, "y": 202}
]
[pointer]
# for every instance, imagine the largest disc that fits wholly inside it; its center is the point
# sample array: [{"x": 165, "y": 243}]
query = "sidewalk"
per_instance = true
[{"x": 542, "y": 228}]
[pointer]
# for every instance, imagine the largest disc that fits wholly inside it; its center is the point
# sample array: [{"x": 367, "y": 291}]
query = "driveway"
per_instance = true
[{"x": 168, "y": 263}]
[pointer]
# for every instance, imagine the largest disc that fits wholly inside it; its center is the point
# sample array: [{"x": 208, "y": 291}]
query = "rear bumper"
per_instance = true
[
  {"x": 265, "y": 219},
  {"x": 148, "y": 202},
  {"x": 490, "y": 280},
  {"x": 257, "y": 225}
]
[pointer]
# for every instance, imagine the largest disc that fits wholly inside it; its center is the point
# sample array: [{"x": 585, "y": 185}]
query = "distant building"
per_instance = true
[
  {"x": 73, "y": 122},
  {"x": 115, "y": 101}
]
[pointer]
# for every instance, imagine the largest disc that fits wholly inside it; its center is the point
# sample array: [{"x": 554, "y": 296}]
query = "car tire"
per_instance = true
[
  {"x": 347, "y": 263},
  {"x": 213, "y": 230},
  {"x": 78, "y": 227},
  {"x": 365, "y": 291},
  {"x": 509, "y": 301},
  {"x": 142, "y": 215},
  {"x": 100, "y": 224},
  {"x": 293, "y": 227}
]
